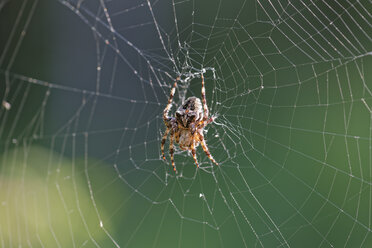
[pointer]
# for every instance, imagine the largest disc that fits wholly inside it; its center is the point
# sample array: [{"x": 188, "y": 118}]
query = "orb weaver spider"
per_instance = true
[{"x": 187, "y": 127}]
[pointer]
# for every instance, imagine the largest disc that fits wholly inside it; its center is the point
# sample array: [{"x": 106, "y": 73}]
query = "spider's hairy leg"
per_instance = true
[
  {"x": 163, "y": 141},
  {"x": 204, "y": 123},
  {"x": 206, "y": 150},
  {"x": 193, "y": 152},
  {"x": 169, "y": 105},
  {"x": 171, "y": 151},
  {"x": 204, "y": 100},
  {"x": 210, "y": 120},
  {"x": 192, "y": 128}
]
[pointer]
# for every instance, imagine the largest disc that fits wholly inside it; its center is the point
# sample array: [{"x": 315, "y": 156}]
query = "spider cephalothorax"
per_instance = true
[{"x": 187, "y": 127}]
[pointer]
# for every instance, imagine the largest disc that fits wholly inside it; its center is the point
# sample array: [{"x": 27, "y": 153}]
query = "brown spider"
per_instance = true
[{"x": 187, "y": 126}]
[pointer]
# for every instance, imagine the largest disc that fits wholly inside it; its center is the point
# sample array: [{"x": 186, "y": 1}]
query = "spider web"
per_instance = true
[{"x": 83, "y": 86}]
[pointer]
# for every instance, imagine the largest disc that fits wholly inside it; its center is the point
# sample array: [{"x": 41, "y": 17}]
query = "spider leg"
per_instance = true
[
  {"x": 204, "y": 123},
  {"x": 163, "y": 142},
  {"x": 206, "y": 150},
  {"x": 169, "y": 105},
  {"x": 204, "y": 100},
  {"x": 193, "y": 152},
  {"x": 210, "y": 120},
  {"x": 171, "y": 151}
]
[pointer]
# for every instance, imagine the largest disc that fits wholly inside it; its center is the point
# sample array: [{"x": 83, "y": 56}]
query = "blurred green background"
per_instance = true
[{"x": 83, "y": 85}]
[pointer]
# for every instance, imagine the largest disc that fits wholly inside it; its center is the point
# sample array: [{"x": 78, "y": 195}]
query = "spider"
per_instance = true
[{"x": 187, "y": 127}]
